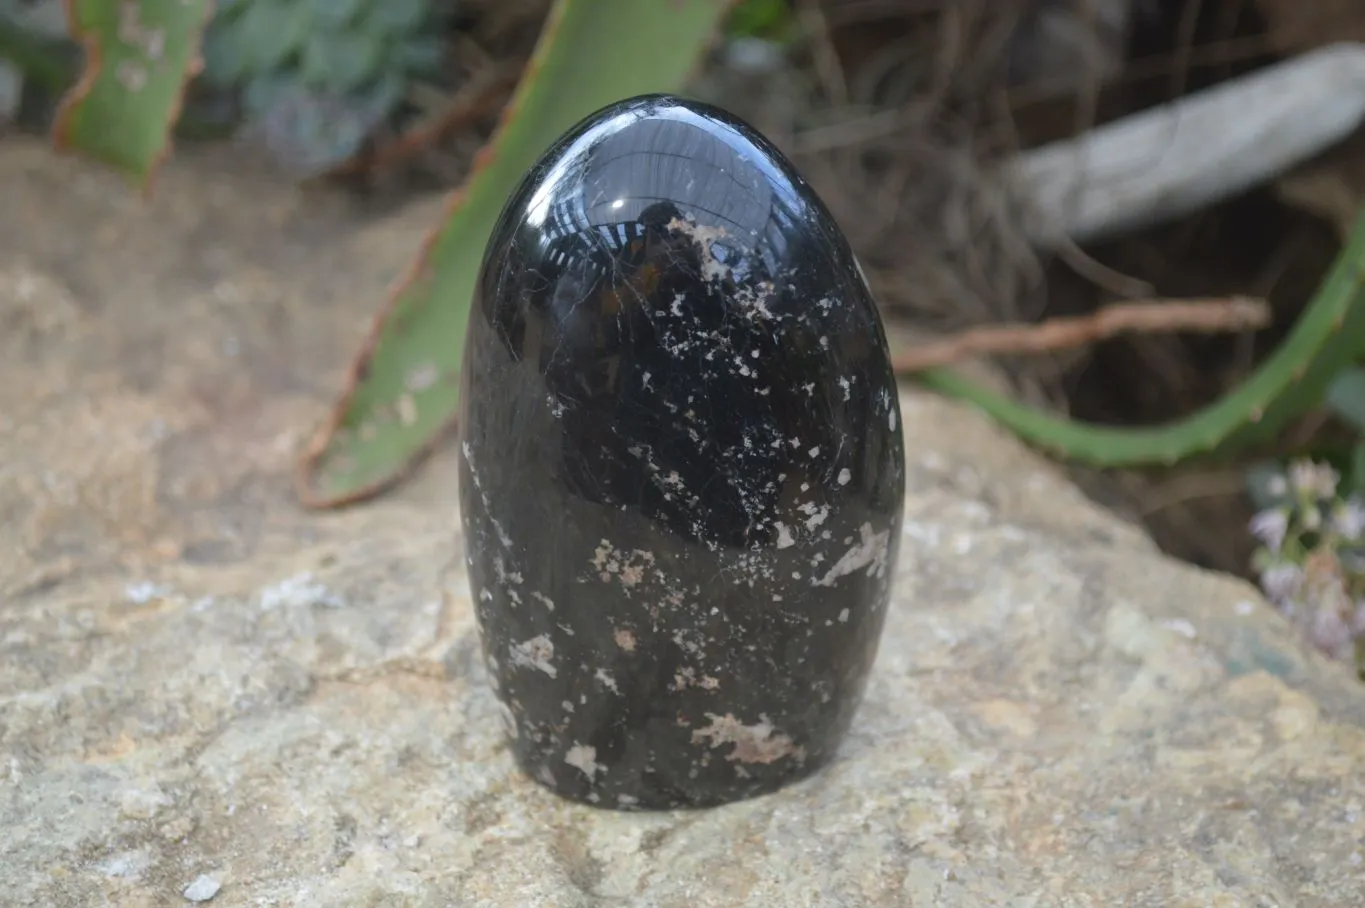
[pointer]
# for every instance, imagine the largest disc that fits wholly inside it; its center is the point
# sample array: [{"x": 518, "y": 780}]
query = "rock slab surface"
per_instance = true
[{"x": 209, "y": 694}]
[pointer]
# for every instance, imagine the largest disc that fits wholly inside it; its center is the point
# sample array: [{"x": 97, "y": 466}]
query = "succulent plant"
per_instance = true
[{"x": 316, "y": 77}]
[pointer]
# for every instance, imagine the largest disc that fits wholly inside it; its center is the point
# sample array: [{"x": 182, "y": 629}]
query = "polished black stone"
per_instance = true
[{"x": 682, "y": 473}]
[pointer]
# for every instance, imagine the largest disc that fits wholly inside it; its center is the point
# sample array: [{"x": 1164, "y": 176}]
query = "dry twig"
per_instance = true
[
  {"x": 1151, "y": 317},
  {"x": 464, "y": 109}
]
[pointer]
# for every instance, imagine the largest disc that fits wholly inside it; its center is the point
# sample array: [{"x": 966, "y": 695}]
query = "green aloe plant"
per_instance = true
[{"x": 139, "y": 58}]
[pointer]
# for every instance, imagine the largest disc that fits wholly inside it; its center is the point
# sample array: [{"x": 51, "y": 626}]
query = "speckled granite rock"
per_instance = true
[{"x": 204, "y": 689}]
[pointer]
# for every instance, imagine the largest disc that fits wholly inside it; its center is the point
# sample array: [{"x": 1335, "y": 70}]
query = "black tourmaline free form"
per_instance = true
[{"x": 682, "y": 472}]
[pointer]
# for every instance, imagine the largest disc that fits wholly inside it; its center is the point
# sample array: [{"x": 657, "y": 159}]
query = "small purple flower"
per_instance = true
[
  {"x": 1331, "y": 634},
  {"x": 1270, "y": 527},
  {"x": 1313, "y": 480},
  {"x": 1282, "y": 582},
  {"x": 1348, "y": 519}
]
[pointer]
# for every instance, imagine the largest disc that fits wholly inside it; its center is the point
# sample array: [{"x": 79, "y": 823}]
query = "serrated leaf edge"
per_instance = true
[{"x": 94, "y": 63}]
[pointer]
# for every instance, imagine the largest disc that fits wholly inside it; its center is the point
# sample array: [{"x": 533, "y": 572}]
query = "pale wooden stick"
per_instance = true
[{"x": 1174, "y": 159}]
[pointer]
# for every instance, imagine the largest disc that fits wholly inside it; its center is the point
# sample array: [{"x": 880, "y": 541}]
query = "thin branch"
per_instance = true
[
  {"x": 1205, "y": 316},
  {"x": 463, "y": 110}
]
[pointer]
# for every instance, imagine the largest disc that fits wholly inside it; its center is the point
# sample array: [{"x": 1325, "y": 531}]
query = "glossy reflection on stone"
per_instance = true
[{"x": 682, "y": 472}]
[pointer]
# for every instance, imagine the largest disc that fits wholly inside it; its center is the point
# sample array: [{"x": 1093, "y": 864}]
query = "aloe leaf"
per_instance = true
[
  {"x": 404, "y": 385},
  {"x": 1329, "y": 335},
  {"x": 139, "y": 57}
]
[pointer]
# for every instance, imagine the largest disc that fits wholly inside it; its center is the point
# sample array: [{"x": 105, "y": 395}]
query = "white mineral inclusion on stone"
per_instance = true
[
  {"x": 628, "y": 568},
  {"x": 869, "y": 553},
  {"x": 712, "y": 268},
  {"x": 535, "y": 653},
  {"x": 757, "y": 743},
  {"x": 844, "y": 476},
  {"x": 606, "y": 678},
  {"x": 583, "y": 757},
  {"x": 815, "y": 515}
]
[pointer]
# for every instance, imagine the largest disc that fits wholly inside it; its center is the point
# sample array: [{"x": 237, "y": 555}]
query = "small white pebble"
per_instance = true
[
  {"x": 144, "y": 591},
  {"x": 1244, "y": 607},
  {"x": 202, "y": 889},
  {"x": 1181, "y": 627}
]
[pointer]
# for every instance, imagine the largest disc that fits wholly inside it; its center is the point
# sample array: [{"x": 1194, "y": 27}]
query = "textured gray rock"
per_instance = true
[{"x": 201, "y": 685}]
